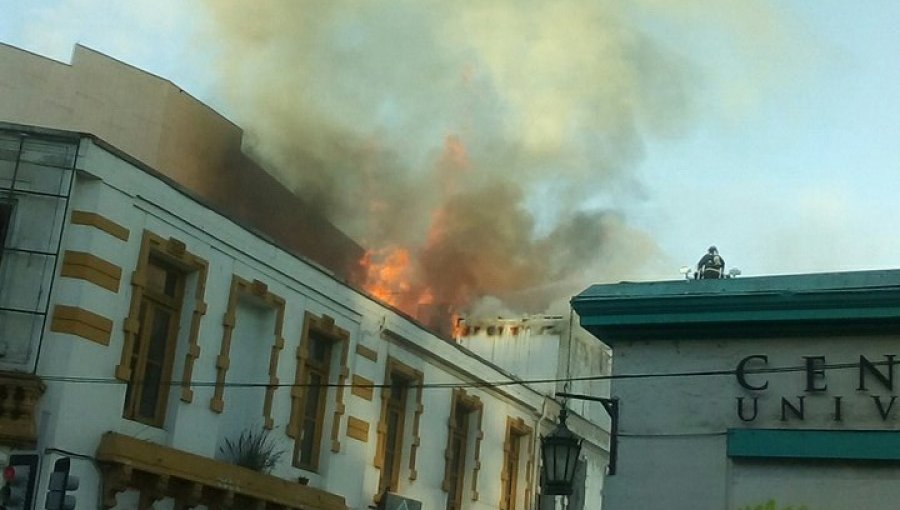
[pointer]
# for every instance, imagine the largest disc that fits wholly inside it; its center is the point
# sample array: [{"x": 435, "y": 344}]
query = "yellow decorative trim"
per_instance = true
[
  {"x": 193, "y": 480},
  {"x": 417, "y": 419},
  {"x": 362, "y": 387},
  {"x": 261, "y": 292},
  {"x": 95, "y": 220},
  {"x": 80, "y": 322},
  {"x": 529, "y": 468},
  {"x": 479, "y": 436},
  {"x": 88, "y": 267},
  {"x": 517, "y": 427},
  {"x": 365, "y": 352},
  {"x": 357, "y": 429},
  {"x": 174, "y": 252},
  {"x": 472, "y": 404},
  {"x": 416, "y": 378},
  {"x": 323, "y": 326}
]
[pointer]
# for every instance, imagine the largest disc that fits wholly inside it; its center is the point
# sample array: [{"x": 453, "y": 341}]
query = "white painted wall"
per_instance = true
[
  {"x": 672, "y": 445},
  {"x": 73, "y": 415}
]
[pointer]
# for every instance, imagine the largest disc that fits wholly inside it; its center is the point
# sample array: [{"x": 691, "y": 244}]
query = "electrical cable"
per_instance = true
[{"x": 478, "y": 384}]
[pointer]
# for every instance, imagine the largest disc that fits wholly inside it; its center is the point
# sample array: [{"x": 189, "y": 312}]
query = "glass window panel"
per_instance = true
[
  {"x": 43, "y": 179},
  {"x": 150, "y": 390},
  {"x": 9, "y": 147},
  {"x": 136, "y": 353},
  {"x": 19, "y": 334},
  {"x": 47, "y": 152},
  {"x": 160, "y": 336},
  {"x": 36, "y": 223},
  {"x": 6, "y": 210},
  {"x": 156, "y": 277},
  {"x": 172, "y": 279},
  {"x": 319, "y": 349},
  {"x": 25, "y": 280},
  {"x": 9, "y": 152}
]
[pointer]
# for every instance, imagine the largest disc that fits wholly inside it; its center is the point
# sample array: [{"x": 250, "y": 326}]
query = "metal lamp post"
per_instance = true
[{"x": 559, "y": 452}]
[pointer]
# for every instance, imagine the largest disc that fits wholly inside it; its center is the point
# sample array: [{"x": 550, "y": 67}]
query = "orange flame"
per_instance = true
[
  {"x": 388, "y": 274},
  {"x": 393, "y": 274}
]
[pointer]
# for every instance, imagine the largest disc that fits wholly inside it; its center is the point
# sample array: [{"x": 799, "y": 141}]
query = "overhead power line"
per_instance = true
[{"x": 479, "y": 384}]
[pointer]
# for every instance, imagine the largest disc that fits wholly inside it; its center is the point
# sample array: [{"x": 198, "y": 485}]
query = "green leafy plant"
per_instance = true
[{"x": 253, "y": 450}]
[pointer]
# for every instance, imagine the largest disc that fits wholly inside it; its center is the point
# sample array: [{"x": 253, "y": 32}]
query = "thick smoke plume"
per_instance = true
[{"x": 475, "y": 148}]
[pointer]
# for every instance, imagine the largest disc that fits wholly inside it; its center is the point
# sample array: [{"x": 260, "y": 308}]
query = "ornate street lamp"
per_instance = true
[{"x": 559, "y": 453}]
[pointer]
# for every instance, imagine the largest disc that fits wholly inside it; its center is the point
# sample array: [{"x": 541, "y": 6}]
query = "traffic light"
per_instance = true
[
  {"x": 18, "y": 482},
  {"x": 61, "y": 482}
]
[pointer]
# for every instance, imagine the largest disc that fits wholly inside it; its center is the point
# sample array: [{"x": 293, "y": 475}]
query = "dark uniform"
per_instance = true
[{"x": 711, "y": 265}]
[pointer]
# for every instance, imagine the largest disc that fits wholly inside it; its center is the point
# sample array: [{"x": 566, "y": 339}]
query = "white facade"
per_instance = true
[
  {"x": 91, "y": 288},
  {"x": 114, "y": 184},
  {"x": 568, "y": 359}
]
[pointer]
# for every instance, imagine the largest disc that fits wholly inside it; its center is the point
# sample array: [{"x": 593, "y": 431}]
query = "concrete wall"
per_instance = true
[
  {"x": 673, "y": 429},
  {"x": 546, "y": 348}
]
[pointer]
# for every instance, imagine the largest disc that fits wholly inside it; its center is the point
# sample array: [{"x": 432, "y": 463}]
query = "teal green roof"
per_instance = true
[{"x": 847, "y": 302}]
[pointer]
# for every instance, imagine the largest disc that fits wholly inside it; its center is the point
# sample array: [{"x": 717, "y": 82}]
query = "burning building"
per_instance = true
[{"x": 161, "y": 297}]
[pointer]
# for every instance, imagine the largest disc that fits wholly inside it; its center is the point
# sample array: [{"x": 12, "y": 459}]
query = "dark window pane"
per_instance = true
[
  {"x": 150, "y": 390},
  {"x": 172, "y": 278},
  {"x": 135, "y": 354},
  {"x": 156, "y": 278},
  {"x": 310, "y": 422},
  {"x": 319, "y": 349},
  {"x": 160, "y": 335},
  {"x": 5, "y": 218}
]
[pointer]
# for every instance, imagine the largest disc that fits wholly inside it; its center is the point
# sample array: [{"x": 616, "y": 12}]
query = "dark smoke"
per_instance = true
[{"x": 474, "y": 136}]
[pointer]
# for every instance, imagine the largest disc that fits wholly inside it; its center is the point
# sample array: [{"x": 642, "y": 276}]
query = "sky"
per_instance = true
[{"x": 784, "y": 156}]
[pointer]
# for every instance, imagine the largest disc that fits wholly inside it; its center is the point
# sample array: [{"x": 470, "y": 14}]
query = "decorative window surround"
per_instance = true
[
  {"x": 416, "y": 378},
  {"x": 472, "y": 404},
  {"x": 517, "y": 427},
  {"x": 174, "y": 252},
  {"x": 260, "y": 291},
  {"x": 323, "y": 326}
]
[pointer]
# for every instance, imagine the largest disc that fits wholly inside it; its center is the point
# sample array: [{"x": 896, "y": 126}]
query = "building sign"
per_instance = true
[{"x": 874, "y": 385}]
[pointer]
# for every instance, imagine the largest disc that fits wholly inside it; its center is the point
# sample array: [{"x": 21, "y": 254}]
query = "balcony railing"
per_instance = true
[
  {"x": 19, "y": 395},
  {"x": 161, "y": 472}
]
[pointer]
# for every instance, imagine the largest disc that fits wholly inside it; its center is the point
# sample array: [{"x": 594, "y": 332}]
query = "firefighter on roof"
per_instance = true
[{"x": 711, "y": 265}]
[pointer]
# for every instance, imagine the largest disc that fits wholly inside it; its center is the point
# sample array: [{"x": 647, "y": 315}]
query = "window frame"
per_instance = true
[
  {"x": 151, "y": 303},
  {"x": 259, "y": 292},
  {"x": 393, "y": 447},
  {"x": 313, "y": 367},
  {"x": 323, "y": 328},
  {"x": 174, "y": 253},
  {"x": 455, "y": 465},
  {"x": 7, "y": 210},
  {"x": 518, "y": 436},
  {"x": 389, "y": 478}
]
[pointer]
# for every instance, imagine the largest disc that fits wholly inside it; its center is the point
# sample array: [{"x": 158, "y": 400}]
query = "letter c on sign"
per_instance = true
[{"x": 742, "y": 376}]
